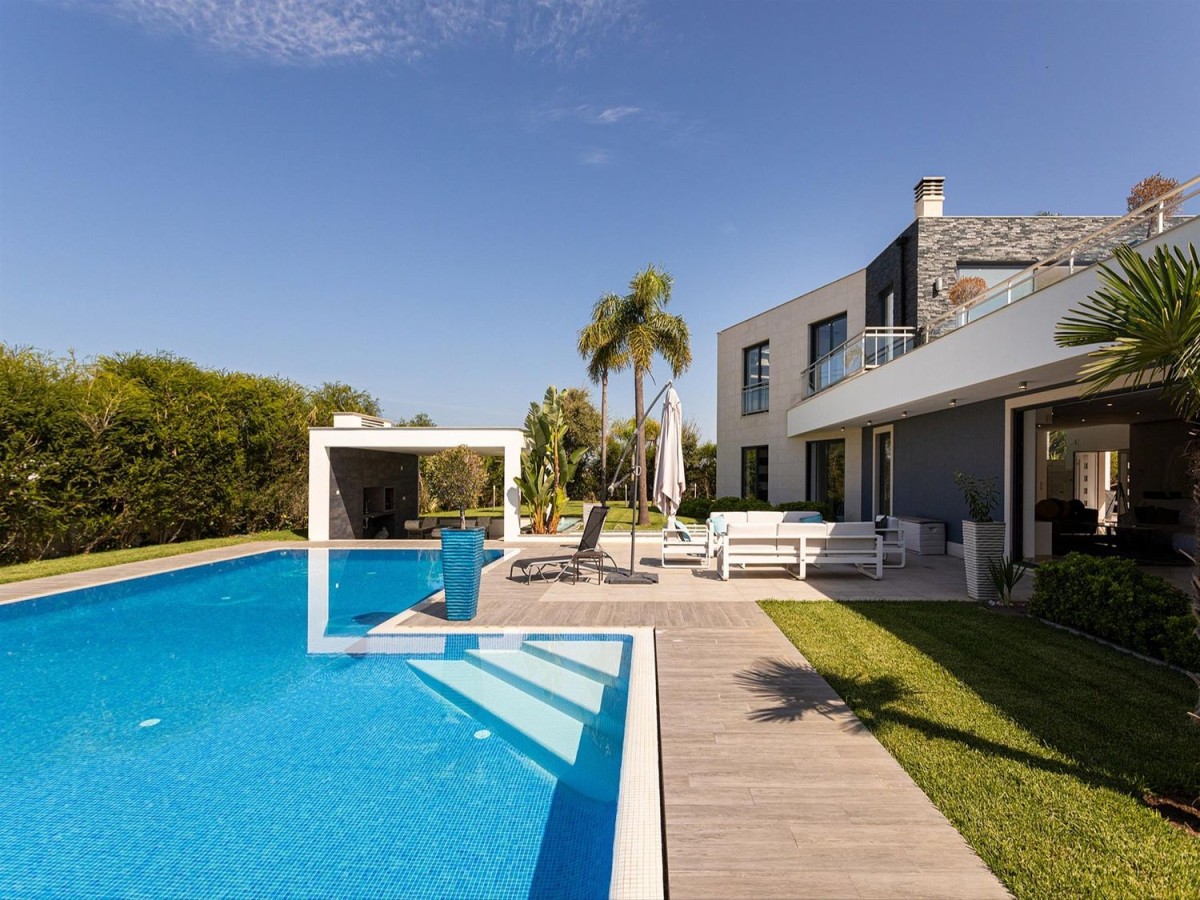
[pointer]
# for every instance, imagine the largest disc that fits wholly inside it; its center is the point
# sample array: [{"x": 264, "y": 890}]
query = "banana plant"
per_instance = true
[{"x": 545, "y": 464}]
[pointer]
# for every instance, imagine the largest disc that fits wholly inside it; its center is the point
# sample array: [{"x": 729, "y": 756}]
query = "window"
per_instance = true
[
  {"x": 756, "y": 377},
  {"x": 825, "y": 337},
  {"x": 827, "y": 474},
  {"x": 754, "y": 472},
  {"x": 883, "y": 472}
]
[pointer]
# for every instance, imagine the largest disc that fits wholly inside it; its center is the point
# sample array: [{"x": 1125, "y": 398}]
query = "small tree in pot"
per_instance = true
[
  {"x": 457, "y": 477},
  {"x": 983, "y": 539}
]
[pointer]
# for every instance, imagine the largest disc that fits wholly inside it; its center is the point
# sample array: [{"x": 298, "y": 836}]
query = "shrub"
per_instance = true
[
  {"x": 698, "y": 508},
  {"x": 739, "y": 504},
  {"x": 966, "y": 289},
  {"x": 828, "y": 513},
  {"x": 1114, "y": 600}
]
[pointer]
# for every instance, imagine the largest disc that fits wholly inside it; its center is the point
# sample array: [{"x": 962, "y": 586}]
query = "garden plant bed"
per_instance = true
[{"x": 1050, "y": 753}]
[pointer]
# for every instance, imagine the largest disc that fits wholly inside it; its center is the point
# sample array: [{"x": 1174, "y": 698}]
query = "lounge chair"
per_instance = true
[
  {"x": 686, "y": 544},
  {"x": 553, "y": 568}
]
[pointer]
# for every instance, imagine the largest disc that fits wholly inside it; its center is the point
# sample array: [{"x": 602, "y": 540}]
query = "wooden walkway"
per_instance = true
[{"x": 772, "y": 787}]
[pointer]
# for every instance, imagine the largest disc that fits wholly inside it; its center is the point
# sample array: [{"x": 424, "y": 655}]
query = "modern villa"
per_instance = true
[{"x": 872, "y": 391}]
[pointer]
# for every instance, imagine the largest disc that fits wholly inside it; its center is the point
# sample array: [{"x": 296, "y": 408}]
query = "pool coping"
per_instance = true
[{"x": 638, "y": 872}]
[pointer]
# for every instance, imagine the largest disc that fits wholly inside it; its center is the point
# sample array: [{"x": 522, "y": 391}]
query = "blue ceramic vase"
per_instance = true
[{"x": 462, "y": 564}]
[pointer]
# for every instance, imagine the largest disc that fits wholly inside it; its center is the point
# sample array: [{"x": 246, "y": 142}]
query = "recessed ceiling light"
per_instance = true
[
  {"x": 954, "y": 403},
  {"x": 1023, "y": 385},
  {"x": 904, "y": 415},
  {"x": 1109, "y": 403},
  {"x": 1082, "y": 420},
  {"x": 868, "y": 423}
]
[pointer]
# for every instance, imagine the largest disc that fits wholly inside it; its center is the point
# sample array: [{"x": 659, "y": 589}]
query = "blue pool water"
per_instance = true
[{"x": 177, "y": 736}]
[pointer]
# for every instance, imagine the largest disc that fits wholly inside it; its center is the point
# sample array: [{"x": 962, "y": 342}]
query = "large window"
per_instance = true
[
  {"x": 756, "y": 377},
  {"x": 827, "y": 474},
  {"x": 883, "y": 472},
  {"x": 825, "y": 337},
  {"x": 754, "y": 472}
]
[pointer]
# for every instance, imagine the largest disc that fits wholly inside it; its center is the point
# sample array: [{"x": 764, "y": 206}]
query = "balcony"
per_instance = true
[
  {"x": 756, "y": 398},
  {"x": 876, "y": 347},
  {"x": 868, "y": 350}
]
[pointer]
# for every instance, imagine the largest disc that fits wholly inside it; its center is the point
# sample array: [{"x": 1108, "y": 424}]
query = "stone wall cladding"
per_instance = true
[
  {"x": 943, "y": 242},
  {"x": 883, "y": 274},
  {"x": 351, "y": 470}
]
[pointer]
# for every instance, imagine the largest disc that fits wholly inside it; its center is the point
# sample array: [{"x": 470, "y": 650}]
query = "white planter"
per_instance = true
[{"x": 982, "y": 541}]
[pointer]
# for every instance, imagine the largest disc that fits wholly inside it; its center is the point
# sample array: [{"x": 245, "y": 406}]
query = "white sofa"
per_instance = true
[{"x": 799, "y": 545}]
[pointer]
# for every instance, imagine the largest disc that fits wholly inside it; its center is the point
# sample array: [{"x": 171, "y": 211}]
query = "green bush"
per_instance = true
[
  {"x": 825, "y": 509},
  {"x": 1115, "y": 600},
  {"x": 698, "y": 508},
  {"x": 739, "y": 504}
]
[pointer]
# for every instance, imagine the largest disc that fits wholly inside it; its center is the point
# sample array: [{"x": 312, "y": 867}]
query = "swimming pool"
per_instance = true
[{"x": 234, "y": 729}]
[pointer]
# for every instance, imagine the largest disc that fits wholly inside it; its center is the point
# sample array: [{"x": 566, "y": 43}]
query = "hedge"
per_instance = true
[{"x": 1113, "y": 599}]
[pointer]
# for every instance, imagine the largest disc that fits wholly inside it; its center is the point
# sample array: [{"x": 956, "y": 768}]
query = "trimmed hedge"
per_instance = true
[
  {"x": 1115, "y": 600},
  {"x": 698, "y": 508}
]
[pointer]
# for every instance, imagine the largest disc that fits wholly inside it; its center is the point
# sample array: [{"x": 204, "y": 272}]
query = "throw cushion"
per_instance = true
[
  {"x": 718, "y": 524},
  {"x": 684, "y": 534}
]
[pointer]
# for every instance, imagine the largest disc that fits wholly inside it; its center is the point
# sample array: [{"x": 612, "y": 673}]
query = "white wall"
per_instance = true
[{"x": 786, "y": 327}]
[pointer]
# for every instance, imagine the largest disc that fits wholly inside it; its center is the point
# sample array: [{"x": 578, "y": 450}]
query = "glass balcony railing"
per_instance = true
[
  {"x": 874, "y": 347},
  {"x": 755, "y": 398}
]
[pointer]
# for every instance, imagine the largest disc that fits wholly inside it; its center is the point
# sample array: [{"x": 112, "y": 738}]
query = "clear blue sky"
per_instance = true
[{"x": 424, "y": 199}]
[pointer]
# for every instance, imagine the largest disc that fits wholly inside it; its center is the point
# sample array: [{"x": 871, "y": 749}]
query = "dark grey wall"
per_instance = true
[
  {"x": 929, "y": 449},
  {"x": 884, "y": 274},
  {"x": 351, "y": 470}
]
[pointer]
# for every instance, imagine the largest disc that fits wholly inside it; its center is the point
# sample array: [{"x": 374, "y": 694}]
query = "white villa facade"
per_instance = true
[{"x": 876, "y": 390}]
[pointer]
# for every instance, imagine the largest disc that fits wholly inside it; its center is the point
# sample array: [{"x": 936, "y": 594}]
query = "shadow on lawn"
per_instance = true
[
  {"x": 880, "y": 702},
  {"x": 1121, "y": 720}
]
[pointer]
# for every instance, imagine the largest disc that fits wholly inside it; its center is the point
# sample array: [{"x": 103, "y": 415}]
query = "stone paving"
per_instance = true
[{"x": 772, "y": 787}]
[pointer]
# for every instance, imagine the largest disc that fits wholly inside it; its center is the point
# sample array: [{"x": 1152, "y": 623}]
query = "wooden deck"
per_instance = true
[{"x": 772, "y": 787}]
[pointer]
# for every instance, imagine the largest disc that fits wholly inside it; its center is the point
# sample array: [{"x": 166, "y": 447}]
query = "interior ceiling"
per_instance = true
[{"x": 1117, "y": 409}]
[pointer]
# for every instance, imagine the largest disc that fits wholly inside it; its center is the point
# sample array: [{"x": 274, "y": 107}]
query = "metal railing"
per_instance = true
[
  {"x": 874, "y": 348},
  {"x": 756, "y": 398}
]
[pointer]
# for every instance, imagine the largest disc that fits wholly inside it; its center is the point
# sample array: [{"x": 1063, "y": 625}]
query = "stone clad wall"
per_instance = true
[
  {"x": 351, "y": 470},
  {"x": 943, "y": 242}
]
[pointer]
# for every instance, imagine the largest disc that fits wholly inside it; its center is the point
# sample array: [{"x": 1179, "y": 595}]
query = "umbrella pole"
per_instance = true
[{"x": 634, "y": 577}]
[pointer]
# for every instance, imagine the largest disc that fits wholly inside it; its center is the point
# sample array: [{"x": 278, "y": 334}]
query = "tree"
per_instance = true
[
  {"x": 604, "y": 354},
  {"x": 1151, "y": 188},
  {"x": 334, "y": 396},
  {"x": 1147, "y": 320},
  {"x": 546, "y": 465},
  {"x": 583, "y": 432},
  {"x": 639, "y": 327},
  {"x": 457, "y": 477}
]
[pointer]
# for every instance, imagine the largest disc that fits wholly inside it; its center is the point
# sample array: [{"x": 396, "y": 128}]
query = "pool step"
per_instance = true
[
  {"x": 575, "y": 753},
  {"x": 599, "y": 660},
  {"x": 579, "y": 696}
]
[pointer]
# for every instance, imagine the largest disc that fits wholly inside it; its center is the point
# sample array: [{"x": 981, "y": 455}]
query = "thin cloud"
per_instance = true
[
  {"x": 595, "y": 157},
  {"x": 315, "y": 31},
  {"x": 615, "y": 114}
]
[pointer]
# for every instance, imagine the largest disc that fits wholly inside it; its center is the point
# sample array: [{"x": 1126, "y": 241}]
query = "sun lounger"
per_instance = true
[{"x": 554, "y": 568}]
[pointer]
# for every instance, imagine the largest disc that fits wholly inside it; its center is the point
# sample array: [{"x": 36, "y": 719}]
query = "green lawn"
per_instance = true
[
  {"x": 67, "y": 564},
  {"x": 1038, "y": 745},
  {"x": 619, "y": 515}
]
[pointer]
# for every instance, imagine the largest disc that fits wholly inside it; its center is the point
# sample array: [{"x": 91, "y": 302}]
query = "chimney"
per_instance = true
[{"x": 929, "y": 196}]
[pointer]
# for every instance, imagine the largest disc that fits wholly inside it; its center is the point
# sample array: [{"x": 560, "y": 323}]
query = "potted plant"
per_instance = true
[
  {"x": 457, "y": 477},
  {"x": 983, "y": 539}
]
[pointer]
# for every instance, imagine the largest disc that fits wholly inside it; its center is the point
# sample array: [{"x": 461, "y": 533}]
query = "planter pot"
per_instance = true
[
  {"x": 982, "y": 541},
  {"x": 462, "y": 563}
]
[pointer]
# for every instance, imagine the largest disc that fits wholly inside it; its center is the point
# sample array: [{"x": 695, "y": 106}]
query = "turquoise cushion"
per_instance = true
[
  {"x": 684, "y": 534},
  {"x": 718, "y": 524}
]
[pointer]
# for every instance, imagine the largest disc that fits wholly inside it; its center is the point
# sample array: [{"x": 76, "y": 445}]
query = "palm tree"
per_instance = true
[
  {"x": 640, "y": 327},
  {"x": 604, "y": 354},
  {"x": 1148, "y": 320}
]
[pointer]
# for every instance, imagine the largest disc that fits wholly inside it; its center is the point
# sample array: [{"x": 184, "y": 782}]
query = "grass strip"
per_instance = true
[
  {"x": 65, "y": 565},
  {"x": 1036, "y": 744}
]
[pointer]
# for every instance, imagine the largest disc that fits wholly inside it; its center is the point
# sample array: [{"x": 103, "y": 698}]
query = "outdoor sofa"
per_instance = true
[{"x": 798, "y": 545}]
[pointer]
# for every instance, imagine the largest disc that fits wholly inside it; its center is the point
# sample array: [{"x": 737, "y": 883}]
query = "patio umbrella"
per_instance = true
[{"x": 669, "y": 482}]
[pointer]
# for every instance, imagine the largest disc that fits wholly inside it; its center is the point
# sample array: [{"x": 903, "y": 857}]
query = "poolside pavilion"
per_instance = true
[{"x": 362, "y": 474}]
